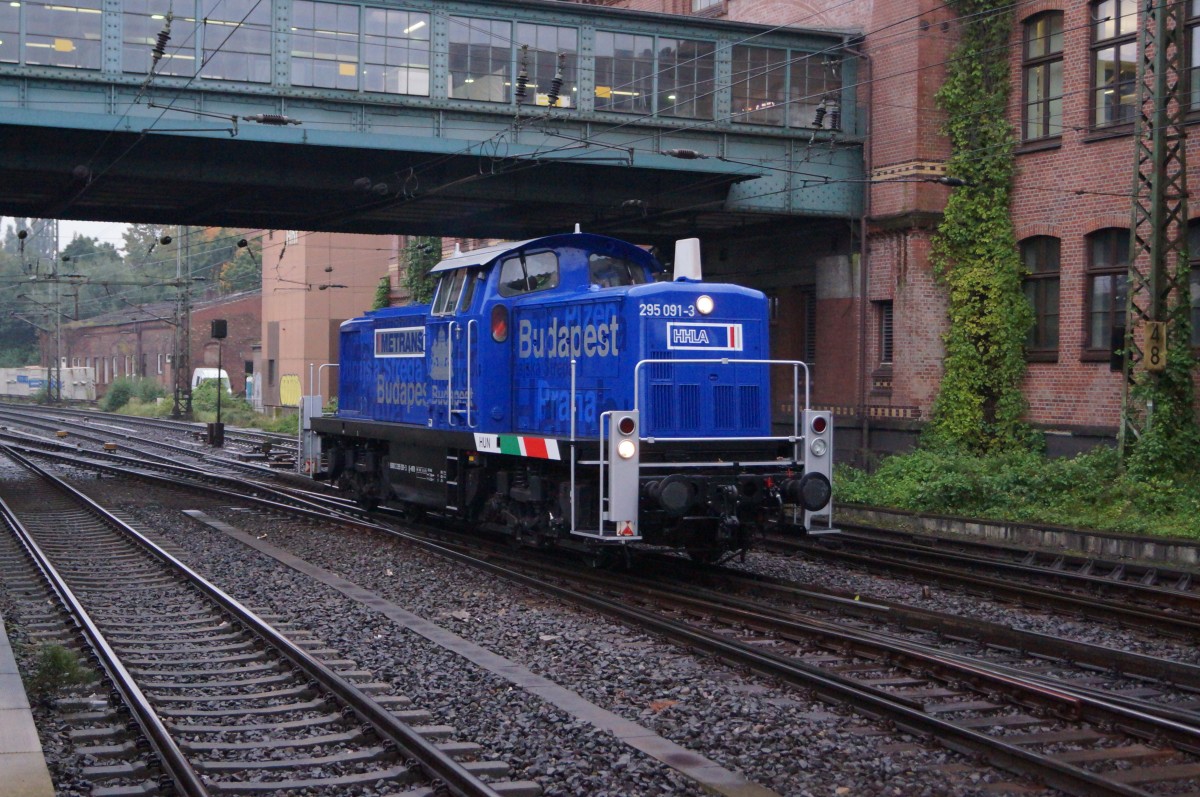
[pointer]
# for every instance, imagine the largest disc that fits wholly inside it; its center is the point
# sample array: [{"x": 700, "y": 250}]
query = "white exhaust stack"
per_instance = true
[{"x": 687, "y": 259}]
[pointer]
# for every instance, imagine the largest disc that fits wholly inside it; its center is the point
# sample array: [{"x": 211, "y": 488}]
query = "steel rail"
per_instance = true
[
  {"x": 432, "y": 761},
  {"x": 176, "y": 764}
]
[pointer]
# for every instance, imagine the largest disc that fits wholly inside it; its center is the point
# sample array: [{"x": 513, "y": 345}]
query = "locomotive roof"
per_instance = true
[{"x": 485, "y": 255}]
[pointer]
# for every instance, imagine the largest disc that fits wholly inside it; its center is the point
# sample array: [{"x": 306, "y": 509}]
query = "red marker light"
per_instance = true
[
  {"x": 499, "y": 323},
  {"x": 819, "y": 424},
  {"x": 626, "y": 425}
]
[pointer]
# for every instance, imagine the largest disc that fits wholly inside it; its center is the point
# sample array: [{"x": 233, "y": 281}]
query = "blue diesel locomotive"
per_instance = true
[{"x": 563, "y": 391}]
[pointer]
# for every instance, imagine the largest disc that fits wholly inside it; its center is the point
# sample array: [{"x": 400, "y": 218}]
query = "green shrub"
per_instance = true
[
  {"x": 118, "y": 394},
  {"x": 1089, "y": 490},
  {"x": 56, "y": 669}
]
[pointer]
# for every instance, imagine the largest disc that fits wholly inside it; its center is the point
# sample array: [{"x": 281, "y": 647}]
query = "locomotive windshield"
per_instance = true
[
  {"x": 614, "y": 272},
  {"x": 528, "y": 273}
]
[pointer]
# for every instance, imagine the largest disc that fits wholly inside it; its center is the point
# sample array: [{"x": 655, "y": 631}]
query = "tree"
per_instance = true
[
  {"x": 383, "y": 293},
  {"x": 421, "y": 255}
]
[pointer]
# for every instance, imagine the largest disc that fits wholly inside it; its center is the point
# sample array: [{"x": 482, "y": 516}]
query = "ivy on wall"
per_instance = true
[{"x": 980, "y": 407}]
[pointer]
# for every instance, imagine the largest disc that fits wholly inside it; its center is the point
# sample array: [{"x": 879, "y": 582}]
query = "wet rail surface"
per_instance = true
[{"x": 227, "y": 703}]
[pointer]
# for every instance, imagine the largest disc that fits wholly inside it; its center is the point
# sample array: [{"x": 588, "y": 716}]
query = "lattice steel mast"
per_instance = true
[{"x": 1157, "y": 349}]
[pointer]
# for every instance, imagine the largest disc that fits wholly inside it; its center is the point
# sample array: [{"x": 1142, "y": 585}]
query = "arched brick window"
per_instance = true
[
  {"x": 1043, "y": 75},
  {"x": 1040, "y": 255},
  {"x": 1107, "y": 284}
]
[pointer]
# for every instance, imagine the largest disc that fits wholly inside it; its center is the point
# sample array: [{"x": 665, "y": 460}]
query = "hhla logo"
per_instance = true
[{"x": 704, "y": 337}]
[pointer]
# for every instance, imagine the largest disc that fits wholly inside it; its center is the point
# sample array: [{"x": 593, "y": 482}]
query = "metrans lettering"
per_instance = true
[
  {"x": 557, "y": 338},
  {"x": 400, "y": 342}
]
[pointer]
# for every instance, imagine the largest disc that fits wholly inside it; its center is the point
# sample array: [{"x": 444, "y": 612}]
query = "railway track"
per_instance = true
[
  {"x": 1166, "y": 601},
  {"x": 226, "y": 703}
]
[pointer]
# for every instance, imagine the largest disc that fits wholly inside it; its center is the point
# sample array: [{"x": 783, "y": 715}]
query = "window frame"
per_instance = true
[
  {"x": 1043, "y": 63},
  {"x": 1118, "y": 41},
  {"x": 508, "y": 292},
  {"x": 1118, "y": 251},
  {"x": 1038, "y": 248},
  {"x": 887, "y": 333}
]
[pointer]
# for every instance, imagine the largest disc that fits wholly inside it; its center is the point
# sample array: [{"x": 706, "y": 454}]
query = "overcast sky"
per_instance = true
[{"x": 103, "y": 231}]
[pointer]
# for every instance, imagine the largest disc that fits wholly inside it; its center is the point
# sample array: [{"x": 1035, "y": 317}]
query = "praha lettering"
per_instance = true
[{"x": 567, "y": 340}]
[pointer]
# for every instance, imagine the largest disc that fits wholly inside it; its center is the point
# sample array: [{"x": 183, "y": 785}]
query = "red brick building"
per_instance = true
[
  {"x": 140, "y": 342},
  {"x": 879, "y": 314}
]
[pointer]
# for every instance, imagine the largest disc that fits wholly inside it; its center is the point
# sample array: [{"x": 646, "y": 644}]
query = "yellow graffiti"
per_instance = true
[{"x": 289, "y": 390}]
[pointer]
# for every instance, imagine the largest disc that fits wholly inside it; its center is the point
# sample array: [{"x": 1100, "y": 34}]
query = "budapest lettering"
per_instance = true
[{"x": 560, "y": 338}]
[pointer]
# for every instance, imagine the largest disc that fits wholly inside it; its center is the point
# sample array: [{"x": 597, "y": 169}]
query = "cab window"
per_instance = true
[
  {"x": 448, "y": 289},
  {"x": 528, "y": 273},
  {"x": 613, "y": 272}
]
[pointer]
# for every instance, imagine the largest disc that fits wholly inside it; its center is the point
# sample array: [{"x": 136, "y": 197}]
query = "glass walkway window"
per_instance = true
[
  {"x": 624, "y": 72},
  {"x": 237, "y": 40},
  {"x": 686, "y": 72},
  {"x": 759, "y": 85},
  {"x": 10, "y": 29},
  {"x": 63, "y": 35},
  {"x": 480, "y": 59},
  {"x": 546, "y": 44},
  {"x": 142, "y": 21},
  {"x": 324, "y": 45},
  {"x": 396, "y": 57}
]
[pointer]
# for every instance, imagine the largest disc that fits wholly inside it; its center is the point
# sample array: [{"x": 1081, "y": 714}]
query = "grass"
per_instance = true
[
  {"x": 1086, "y": 491},
  {"x": 234, "y": 411}
]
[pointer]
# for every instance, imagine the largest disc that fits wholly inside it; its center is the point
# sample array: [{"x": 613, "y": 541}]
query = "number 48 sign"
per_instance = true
[{"x": 1155, "y": 346}]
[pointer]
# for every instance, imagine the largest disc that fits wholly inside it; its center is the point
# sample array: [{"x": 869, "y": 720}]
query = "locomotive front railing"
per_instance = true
[{"x": 795, "y": 439}]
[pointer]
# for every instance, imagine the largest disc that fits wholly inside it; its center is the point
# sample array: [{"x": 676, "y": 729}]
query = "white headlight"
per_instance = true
[
  {"x": 818, "y": 447},
  {"x": 626, "y": 449},
  {"x": 704, "y": 304}
]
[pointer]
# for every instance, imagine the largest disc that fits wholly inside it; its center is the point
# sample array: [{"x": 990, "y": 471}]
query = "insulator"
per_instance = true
[
  {"x": 557, "y": 82},
  {"x": 523, "y": 75},
  {"x": 819, "y": 119},
  {"x": 835, "y": 118},
  {"x": 164, "y": 36},
  {"x": 271, "y": 119}
]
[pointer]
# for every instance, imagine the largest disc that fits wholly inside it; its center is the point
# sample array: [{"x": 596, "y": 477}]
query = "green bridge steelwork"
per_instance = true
[{"x": 497, "y": 119}]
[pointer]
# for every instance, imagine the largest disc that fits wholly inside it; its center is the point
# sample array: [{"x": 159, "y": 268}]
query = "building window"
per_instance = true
[
  {"x": 480, "y": 59},
  {"x": 885, "y": 333},
  {"x": 624, "y": 72},
  {"x": 705, "y": 5},
  {"x": 63, "y": 35},
  {"x": 396, "y": 52},
  {"x": 325, "y": 45},
  {"x": 759, "y": 85},
  {"x": 160, "y": 363},
  {"x": 271, "y": 373},
  {"x": 1043, "y": 68},
  {"x": 1114, "y": 61},
  {"x": 141, "y": 22},
  {"x": 1193, "y": 45},
  {"x": 686, "y": 72},
  {"x": 1040, "y": 256},
  {"x": 1194, "y": 277},
  {"x": 237, "y": 40},
  {"x": 291, "y": 237},
  {"x": 1108, "y": 281}
]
